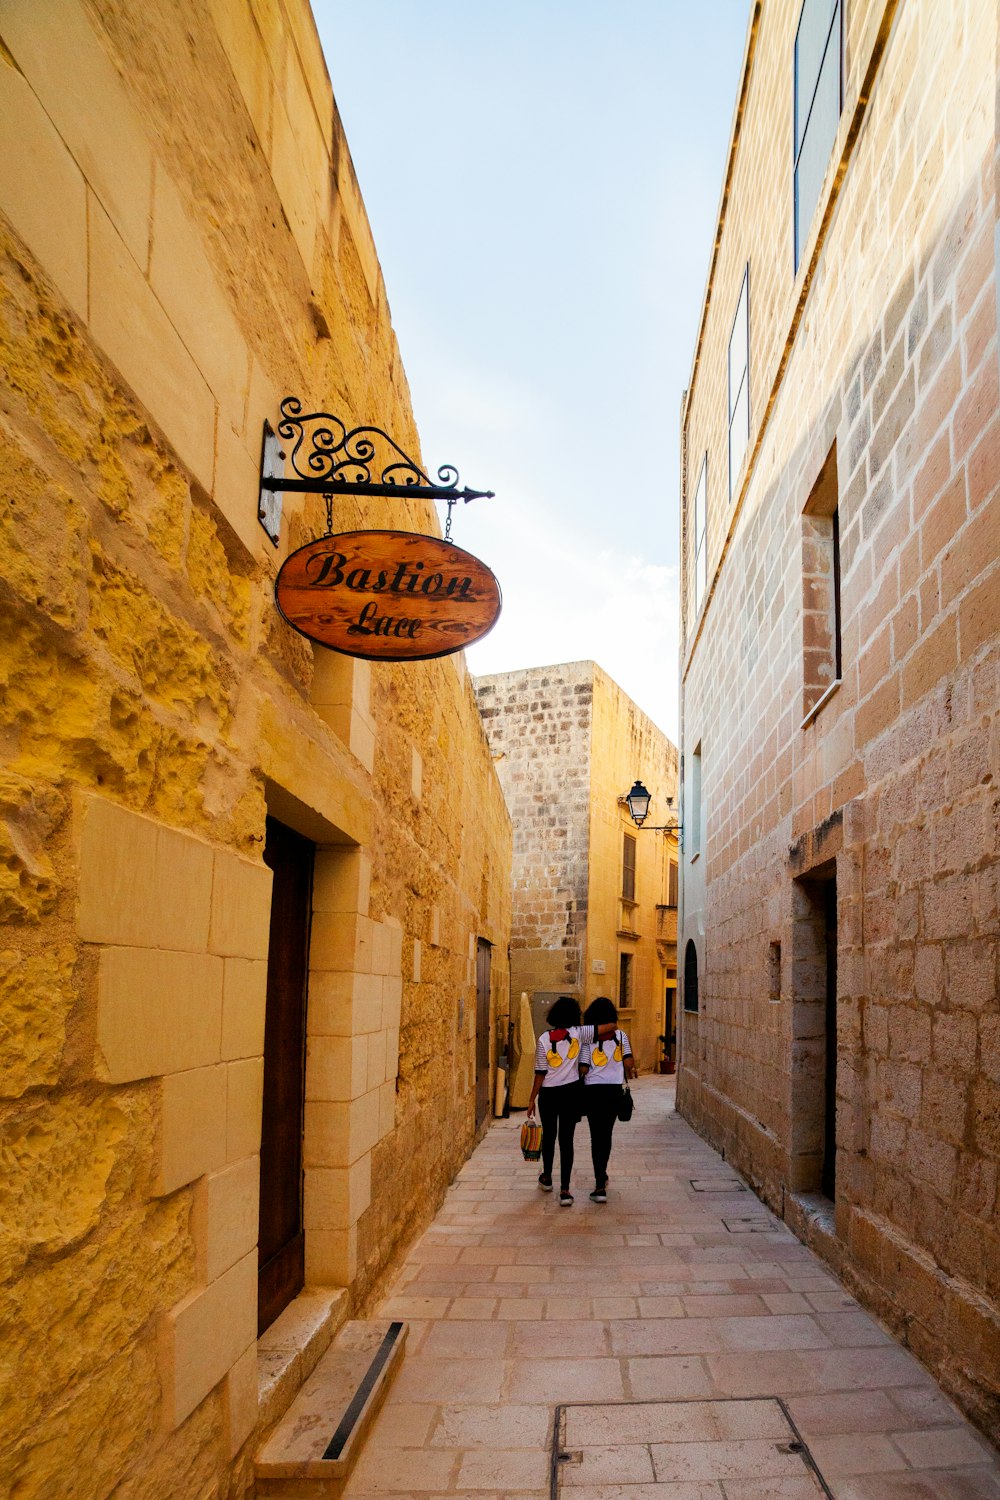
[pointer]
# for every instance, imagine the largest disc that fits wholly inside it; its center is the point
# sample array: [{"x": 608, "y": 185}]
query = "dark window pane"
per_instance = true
[
  {"x": 690, "y": 976},
  {"x": 810, "y": 45},
  {"x": 818, "y": 143},
  {"x": 624, "y": 981}
]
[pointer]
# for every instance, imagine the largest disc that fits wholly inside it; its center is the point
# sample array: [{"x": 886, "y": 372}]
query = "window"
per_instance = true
[
  {"x": 672, "y": 883},
  {"x": 739, "y": 384},
  {"x": 624, "y": 981},
  {"x": 700, "y": 531},
  {"x": 628, "y": 867},
  {"x": 822, "y": 660},
  {"x": 690, "y": 976},
  {"x": 692, "y": 804},
  {"x": 818, "y": 102}
]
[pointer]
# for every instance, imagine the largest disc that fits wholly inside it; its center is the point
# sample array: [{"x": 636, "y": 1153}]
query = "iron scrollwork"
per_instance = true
[{"x": 328, "y": 457}]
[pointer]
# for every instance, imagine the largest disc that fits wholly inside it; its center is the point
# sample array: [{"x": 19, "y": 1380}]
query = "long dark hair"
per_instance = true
[
  {"x": 601, "y": 1012},
  {"x": 564, "y": 1013}
]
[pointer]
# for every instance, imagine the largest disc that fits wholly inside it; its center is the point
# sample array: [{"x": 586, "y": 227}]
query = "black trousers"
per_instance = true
[
  {"x": 602, "y": 1112},
  {"x": 559, "y": 1110}
]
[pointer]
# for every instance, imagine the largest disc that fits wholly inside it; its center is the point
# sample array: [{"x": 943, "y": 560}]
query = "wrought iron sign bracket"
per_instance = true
[{"x": 328, "y": 458}]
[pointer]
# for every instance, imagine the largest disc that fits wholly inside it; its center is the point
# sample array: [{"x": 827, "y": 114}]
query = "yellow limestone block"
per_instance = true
[
  {"x": 241, "y": 907},
  {"x": 205, "y": 1335},
  {"x": 192, "y": 1126},
  {"x": 157, "y": 1012},
  {"x": 142, "y": 884}
]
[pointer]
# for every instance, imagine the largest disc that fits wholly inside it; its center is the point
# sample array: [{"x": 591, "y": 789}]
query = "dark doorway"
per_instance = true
[
  {"x": 281, "y": 1244},
  {"x": 830, "y": 1102},
  {"x": 814, "y": 1033},
  {"x": 670, "y": 1028},
  {"x": 483, "y": 965}
]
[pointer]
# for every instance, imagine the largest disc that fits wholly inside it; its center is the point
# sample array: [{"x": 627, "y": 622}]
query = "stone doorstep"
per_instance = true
[
  {"x": 340, "y": 1399},
  {"x": 289, "y": 1351}
]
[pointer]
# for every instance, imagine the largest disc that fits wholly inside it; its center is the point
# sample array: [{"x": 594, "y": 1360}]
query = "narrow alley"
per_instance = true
[{"x": 683, "y": 1289}]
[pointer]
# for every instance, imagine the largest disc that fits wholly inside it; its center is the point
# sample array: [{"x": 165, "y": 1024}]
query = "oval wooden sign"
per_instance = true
[{"x": 388, "y": 595}]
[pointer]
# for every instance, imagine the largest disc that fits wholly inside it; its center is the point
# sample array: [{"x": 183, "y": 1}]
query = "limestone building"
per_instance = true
[
  {"x": 594, "y": 897},
  {"x": 234, "y": 868},
  {"x": 840, "y": 729}
]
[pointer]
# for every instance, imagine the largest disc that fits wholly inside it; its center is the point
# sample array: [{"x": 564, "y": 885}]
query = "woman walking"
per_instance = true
[
  {"x": 558, "y": 1090},
  {"x": 604, "y": 1065}
]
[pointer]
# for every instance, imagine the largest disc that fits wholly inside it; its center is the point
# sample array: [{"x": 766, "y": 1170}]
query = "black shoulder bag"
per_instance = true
[{"x": 625, "y": 1102}]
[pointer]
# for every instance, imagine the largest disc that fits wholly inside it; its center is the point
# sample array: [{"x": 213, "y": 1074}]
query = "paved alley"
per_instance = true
[{"x": 684, "y": 1288}]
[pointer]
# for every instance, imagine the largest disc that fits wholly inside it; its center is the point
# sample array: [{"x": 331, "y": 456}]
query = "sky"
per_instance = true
[{"x": 542, "y": 179}]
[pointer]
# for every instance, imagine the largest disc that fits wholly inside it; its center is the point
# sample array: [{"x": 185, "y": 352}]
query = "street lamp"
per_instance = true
[{"x": 638, "y": 800}]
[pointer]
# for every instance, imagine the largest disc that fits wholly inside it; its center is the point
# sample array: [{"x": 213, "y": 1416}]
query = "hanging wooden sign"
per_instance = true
[{"x": 388, "y": 595}]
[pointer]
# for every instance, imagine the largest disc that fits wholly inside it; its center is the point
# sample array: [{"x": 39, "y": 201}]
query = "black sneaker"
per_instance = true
[
  {"x": 565, "y": 1198},
  {"x": 599, "y": 1195},
  {"x": 545, "y": 1183}
]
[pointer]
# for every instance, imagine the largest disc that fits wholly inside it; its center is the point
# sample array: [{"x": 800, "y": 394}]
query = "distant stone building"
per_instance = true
[
  {"x": 594, "y": 897},
  {"x": 841, "y": 662},
  {"x": 255, "y": 896}
]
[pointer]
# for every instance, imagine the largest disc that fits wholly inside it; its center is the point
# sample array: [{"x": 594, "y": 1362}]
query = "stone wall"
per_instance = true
[
  {"x": 538, "y": 722},
  {"x": 627, "y": 745},
  {"x": 182, "y": 243},
  {"x": 568, "y": 743},
  {"x": 874, "y": 377}
]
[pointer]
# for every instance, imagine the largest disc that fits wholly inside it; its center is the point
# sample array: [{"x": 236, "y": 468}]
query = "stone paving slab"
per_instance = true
[{"x": 517, "y": 1306}]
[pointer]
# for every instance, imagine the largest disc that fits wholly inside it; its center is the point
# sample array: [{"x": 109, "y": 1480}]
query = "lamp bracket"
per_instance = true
[{"x": 329, "y": 458}]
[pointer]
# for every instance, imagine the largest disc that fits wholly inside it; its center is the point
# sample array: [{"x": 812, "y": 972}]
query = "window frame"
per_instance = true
[
  {"x": 625, "y": 981},
  {"x": 692, "y": 997},
  {"x": 745, "y": 382},
  {"x": 836, "y": 18},
  {"x": 693, "y": 803},
  {"x": 629, "y": 844},
  {"x": 700, "y": 556}
]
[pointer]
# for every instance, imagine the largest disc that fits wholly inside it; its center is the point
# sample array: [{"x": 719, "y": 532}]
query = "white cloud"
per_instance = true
[{"x": 566, "y": 600}]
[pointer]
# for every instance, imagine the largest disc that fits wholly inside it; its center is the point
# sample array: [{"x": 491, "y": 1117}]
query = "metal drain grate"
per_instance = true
[
  {"x": 740, "y": 1440},
  {"x": 751, "y": 1224}
]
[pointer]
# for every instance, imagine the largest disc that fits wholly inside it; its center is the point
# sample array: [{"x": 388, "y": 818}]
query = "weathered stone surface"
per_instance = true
[
  {"x": 568, "y": 744},
  {"x": 36, "y": 997},
  {"x": 214, "y": 255},
  {"x": 873, "y": 386}
]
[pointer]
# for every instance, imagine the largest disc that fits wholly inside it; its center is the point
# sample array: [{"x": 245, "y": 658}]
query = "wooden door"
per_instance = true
[
  {"x": 483, "y": 962},
  {"x": 281, "y": 1244}
]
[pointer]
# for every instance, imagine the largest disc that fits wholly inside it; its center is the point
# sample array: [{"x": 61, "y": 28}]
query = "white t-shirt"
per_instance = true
[
  {"x": 610, "y": 1055},
  {"x": 567, "y": 1051}
]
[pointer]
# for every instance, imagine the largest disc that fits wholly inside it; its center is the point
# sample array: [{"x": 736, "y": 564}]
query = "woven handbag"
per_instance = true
[{"x": 531, "y": 1140}]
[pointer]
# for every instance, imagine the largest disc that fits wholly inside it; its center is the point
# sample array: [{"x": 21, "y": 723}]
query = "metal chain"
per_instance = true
[
  {"x": 447, "y": 524},
  {"x": 329, "y": 514}
]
